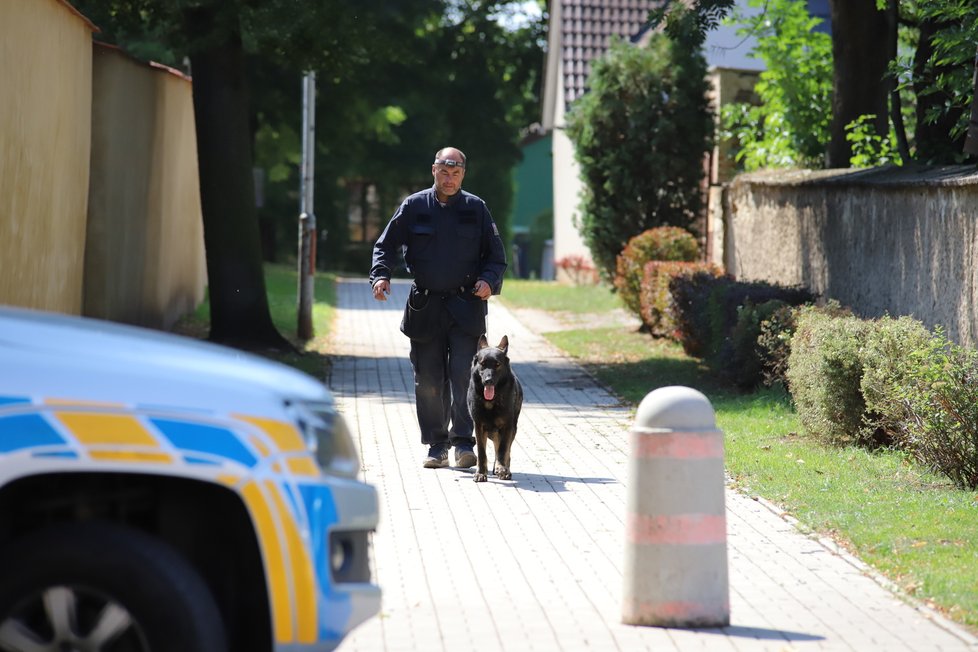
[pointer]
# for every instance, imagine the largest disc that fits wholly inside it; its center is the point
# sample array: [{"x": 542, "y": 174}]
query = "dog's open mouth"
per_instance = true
[{"x": 488, "y": 392}]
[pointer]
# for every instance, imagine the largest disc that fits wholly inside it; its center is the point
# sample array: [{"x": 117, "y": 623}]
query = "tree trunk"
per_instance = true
[
  {"x": 934, "y": 144},
  {"x": 859, "y": 38},
  {"x": 236, "y": 281},
  {"x": 896, "y": 104},
  {"x": 971, "y": 137}
]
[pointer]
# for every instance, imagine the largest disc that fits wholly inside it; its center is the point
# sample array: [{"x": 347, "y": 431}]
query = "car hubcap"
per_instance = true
[{"x": 70, "y": 619}]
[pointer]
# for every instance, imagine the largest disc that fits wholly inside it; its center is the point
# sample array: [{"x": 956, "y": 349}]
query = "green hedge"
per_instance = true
[
  {"x": 924, "y": 391},
  {"x": 887, "y": 382},
  {"x": 825, "y": 372},
  {"x": 892, "y": 355}
]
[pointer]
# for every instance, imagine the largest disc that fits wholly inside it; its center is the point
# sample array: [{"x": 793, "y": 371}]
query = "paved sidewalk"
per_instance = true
[{"x": 536, "y": 563}]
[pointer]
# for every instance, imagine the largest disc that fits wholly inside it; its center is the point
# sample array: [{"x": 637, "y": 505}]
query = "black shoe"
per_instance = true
[
  {"x": 464, "y": 457},
  {"x": 437, "y": 457}
]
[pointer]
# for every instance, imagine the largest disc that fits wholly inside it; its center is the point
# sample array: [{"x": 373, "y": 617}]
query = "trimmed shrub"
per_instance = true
[
  {"x": 940, "y": 392},
  {"x": 654, "y": 295},
  {"x": 891, "y": 357},
  {"x": 669, "y": 243},
  {"x": 754, "y": 294},
  {"x": 825, "y": 374},
  {"x": 733, "y": 352}
]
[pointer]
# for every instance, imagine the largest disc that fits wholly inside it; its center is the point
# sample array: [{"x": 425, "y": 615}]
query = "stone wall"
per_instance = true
[{"x": 881, "y": 241}]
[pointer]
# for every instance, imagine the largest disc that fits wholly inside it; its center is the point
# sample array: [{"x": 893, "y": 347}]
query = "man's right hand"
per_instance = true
[{"x": 381, "y": 289}]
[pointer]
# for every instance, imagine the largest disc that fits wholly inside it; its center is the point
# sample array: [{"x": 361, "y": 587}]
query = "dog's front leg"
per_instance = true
[
  {"x": 482, "y": 473},
  {"x": 503, "y": 443}
]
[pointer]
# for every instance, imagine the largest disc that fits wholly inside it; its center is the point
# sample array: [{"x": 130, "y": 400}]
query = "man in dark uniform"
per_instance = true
[{"x": 453, "y": 250}]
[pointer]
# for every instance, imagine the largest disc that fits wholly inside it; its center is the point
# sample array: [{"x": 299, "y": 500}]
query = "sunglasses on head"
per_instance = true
[{"x": 449, "y": 163}]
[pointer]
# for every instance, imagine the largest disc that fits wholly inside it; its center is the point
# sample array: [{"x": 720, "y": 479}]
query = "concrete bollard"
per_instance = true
[{"x": 675, "y": 572}]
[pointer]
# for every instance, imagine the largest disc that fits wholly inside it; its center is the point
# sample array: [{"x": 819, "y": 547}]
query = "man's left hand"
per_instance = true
[{"x": 482, "y": 290}]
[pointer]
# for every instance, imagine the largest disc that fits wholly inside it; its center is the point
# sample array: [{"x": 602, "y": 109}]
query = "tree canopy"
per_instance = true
[
  {"x": 902, "y": 80},
  {"x": 790, "y": 126},
  {"x": 396, "y": 82}
]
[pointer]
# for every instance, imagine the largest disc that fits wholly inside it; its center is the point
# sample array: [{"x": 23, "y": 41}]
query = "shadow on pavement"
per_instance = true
[
  {"x": 538, "y": 482},
  {"x": 760, "y": 633}
]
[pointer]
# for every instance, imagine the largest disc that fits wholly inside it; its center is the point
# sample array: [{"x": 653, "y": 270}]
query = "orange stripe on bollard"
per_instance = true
[
  {"x": 680, "y": 445},
  {"x": 686, "y": 614},
  {"x": 680, "y": 529}
]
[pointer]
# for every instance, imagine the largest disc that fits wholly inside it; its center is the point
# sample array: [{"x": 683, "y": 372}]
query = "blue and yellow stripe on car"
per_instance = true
[
  {"x": 260, "y": 458},
  {"x": 29, "y": 430},
  {"x": 304, "y": 581},
  {"x": 336, "y": 610},
  {"x": 114, "y": 437},
  {"x": 289, "y": 443},
  {"x": 291, "y": 574}
]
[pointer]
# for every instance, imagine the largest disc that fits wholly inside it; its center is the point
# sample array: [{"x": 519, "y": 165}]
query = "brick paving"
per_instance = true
[{"x": 536, "y": 563}]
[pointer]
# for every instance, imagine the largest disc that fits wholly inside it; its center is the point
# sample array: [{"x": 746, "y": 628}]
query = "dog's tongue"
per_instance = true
[{"x": 488, "y": 391}]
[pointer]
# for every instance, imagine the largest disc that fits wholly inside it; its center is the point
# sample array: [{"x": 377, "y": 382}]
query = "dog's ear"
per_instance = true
[
  {"x": 504, "y": 344},
  {"x": 483, "y": 342}
]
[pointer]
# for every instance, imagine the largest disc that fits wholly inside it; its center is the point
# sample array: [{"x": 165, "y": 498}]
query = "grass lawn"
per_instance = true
[
  {"x": 911, "y": 525},
  {"x": 282, "y": 289}
]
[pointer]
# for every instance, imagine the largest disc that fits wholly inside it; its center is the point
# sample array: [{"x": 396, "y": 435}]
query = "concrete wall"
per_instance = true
[
  {"x": 45, "y": 127},
  {"x": 99, "y": 200},
  {"x": 880, "y": 241},
  {"x": 144, "y": 260}
]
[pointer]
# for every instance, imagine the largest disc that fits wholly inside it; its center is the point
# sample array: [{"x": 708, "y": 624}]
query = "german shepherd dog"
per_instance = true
[{"x": 495, "y": 398}]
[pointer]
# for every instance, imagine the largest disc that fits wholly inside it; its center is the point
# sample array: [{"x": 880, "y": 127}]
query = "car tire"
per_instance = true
[{"x": 106, "y": 588}]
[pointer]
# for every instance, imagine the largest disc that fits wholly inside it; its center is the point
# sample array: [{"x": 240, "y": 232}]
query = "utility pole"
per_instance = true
[{"x": 307, "y": 218}]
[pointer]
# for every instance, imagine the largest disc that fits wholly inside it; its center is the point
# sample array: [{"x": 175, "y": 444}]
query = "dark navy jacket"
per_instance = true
[{"x": 446, "y": 248}]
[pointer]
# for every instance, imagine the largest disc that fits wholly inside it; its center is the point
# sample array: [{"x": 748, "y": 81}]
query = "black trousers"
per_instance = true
[{"x": 442, "y": 367}]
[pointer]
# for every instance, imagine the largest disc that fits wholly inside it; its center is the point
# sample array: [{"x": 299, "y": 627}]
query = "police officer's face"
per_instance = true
[{"x": 448, "y": 180}]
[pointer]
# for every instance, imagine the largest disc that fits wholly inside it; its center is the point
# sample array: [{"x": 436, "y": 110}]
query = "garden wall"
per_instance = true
[
  {"x": 887, "y": 240},
  {"x": 144, "y": 259},
  {"x": 45, "y": 136},
  {"x": 99, "y": 199}
]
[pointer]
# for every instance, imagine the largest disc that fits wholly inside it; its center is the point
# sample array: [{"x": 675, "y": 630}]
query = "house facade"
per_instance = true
[
  {"x": 531, "y": 223},
  {"x": 581, "y": 31}
]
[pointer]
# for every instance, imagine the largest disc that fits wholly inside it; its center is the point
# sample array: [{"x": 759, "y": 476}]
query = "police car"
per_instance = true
[{"x": 159, "y": 493}]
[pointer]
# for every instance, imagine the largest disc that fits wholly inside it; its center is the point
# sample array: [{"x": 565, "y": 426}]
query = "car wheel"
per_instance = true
[{"x": 98, "y": 587}]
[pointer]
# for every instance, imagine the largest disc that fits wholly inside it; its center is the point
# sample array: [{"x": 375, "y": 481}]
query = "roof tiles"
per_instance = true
[{"x": 587, "y": 29}]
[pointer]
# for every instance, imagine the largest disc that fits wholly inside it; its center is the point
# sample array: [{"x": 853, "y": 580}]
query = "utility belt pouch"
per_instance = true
[
  {"x": 422, "y": 313},
  {"x": 469, "y": 313}
]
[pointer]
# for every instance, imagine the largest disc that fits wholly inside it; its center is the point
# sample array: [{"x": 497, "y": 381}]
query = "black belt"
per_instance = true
[{"x": 460, "y": 291}]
